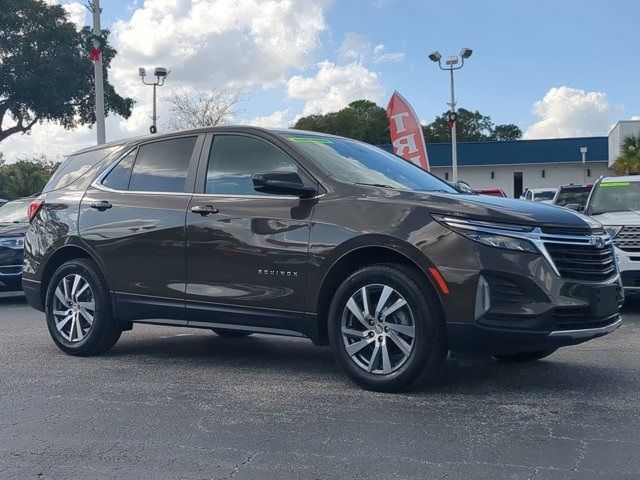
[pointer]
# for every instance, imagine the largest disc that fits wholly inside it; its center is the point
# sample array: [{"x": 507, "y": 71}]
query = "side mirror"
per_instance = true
[
  {"x": 282, "y": 183},
  {"x": 574, "y": 206}
]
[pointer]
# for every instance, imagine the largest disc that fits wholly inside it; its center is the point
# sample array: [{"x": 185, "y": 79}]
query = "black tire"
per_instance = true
[
  {"x": 523, "y": 357},
  {"x": 224, "y": 332},
  {"x": 429, "y": 347},
  {"x": 104, "y": 331}
]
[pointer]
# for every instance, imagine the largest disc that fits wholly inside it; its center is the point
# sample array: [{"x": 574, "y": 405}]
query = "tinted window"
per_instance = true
[
  {"x": 118, "y": 178},
  {"x": 74, "y": 166},
  {"x": 162, "y": 166},
  {"x": 358, "y": 162},
  {"x": 573, "y": 195},
  {"x": 15, "y": 212},
  {"x": 616, "y": 196},
  {"x": 234, "y": 159}
]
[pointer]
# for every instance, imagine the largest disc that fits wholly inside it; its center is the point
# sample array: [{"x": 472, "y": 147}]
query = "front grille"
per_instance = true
[
  {"x": 582, "y": 262},
  {"x": 578, "y": 318},
  {"x": 628, "y": 239}
]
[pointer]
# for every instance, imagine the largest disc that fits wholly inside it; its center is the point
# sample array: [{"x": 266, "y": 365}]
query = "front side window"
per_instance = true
[
  {"x": 162, "y": 166},
  {"x": 75, "y": 166},
  {"x": 234, "y": 159},
  {"x": 357, "y": 162}
]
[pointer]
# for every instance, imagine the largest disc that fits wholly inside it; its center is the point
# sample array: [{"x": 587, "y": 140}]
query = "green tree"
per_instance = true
[
  {"x": 25, "y": 177},
  {"x": 362, "y": 120},
  {"x": 628, "y": 163},
  {"x": 46, "y": 72},
  {"x": 471, "y": 127}
]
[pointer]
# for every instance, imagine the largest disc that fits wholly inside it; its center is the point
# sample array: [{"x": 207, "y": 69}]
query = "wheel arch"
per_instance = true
[
  {"x": 359, "y": 257},
  {"x": 58, "y": 257}
]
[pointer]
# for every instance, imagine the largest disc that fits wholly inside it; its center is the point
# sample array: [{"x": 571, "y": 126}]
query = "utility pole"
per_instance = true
[{"x": 96, "y": 55}]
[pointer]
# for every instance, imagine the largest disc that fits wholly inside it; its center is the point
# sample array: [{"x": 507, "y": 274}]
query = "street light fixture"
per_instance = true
[
  {"x": 451, "y": 63},
  {"x": 161, "y": 74},
  {"x": 583, "y": 152}
]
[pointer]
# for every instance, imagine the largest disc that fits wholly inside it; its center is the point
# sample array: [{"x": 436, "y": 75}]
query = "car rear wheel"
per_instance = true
[
  {"x": 78, "y": 310},
  {"x": 522, "y": 357},
  {"x": 223, "y": 332},
  {"x": 385, "y": 330}
]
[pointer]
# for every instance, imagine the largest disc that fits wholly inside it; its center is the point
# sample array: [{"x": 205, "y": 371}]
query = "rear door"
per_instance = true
[
  {"x": 246, "y": 254},
  {"x": 133, "y": 218}
]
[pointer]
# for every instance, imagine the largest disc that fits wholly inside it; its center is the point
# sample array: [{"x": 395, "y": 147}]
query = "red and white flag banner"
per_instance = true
[{"x": 406, "y": 132}]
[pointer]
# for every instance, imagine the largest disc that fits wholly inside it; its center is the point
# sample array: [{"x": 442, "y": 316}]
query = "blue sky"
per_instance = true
[{"x": 563, "y": 68}]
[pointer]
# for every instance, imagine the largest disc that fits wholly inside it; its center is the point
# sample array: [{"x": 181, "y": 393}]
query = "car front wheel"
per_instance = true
[
  {"x": 78, "y": 310},
  {"x": 385, "y": 330}
]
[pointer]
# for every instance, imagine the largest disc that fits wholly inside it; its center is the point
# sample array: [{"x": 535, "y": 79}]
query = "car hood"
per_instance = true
[
  {"x": 13, "y": 229},
  {"x": 618, "y": 218},
  {"x": 500, "y": 209}
]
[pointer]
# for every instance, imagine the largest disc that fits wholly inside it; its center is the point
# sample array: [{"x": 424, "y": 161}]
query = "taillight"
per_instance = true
[{"x": 34, "y": 208}]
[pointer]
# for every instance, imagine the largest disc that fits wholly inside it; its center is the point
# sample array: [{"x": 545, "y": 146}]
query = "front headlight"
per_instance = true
[
  {"x": 613, "y": 230},
  {"x": 13, "y": 242},
  {"x": 490, "y": 234}
]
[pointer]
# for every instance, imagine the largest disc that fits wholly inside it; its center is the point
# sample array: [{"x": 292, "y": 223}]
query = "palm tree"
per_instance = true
[{"x": 628, "y": 163}]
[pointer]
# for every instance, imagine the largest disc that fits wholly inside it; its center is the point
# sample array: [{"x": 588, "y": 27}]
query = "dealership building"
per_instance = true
[{"x": 516, "y": 165}]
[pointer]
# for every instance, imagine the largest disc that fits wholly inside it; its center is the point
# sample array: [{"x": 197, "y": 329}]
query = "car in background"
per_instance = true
[
  {"x": 494, "y": 192},
  {"x": 542, "y": 195},
  {"x": 14, "y": 222},
  {"x": 573, "y": 195},
  {"x": 462, "y": 187},
  {"x": 615, "y": 203}
]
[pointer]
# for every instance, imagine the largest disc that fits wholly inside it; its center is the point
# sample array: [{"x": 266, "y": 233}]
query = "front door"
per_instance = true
[
  {"x": 134, "y": 219},
  {"x": 246, "y": 251}
]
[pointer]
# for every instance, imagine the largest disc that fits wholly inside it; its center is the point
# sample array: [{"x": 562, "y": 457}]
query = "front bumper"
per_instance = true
[
  {"x": 9, "y": 280},
  {"x": 629, "y": 266},
  {"x": 531, "y": 307}
]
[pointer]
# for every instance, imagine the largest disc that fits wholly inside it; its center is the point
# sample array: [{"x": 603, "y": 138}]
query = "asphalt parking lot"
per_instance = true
[{"x": 179, "y": 403}]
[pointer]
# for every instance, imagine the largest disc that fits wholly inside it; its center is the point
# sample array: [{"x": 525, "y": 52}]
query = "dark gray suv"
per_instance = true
[{"x": 242, "y": 230}]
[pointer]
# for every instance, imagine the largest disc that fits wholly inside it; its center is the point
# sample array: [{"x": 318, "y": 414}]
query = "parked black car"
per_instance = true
[
  {"x": 244, "y": 230},
  {"x": 14, "y": 223}
]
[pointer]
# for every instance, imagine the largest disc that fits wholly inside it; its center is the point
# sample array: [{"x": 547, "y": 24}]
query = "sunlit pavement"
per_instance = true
[{"x": 177, "y": 403}]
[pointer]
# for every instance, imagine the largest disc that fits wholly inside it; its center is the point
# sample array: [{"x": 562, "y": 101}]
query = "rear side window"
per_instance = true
[
  {"x": 118, "y": 178},
  {"x": 75, "y": 166},
  {"x": 161, "y": 166},
  {"x": 234, "y": 159}
]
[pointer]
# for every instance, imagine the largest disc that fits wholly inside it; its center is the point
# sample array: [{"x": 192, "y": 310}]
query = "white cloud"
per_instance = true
[
  {"x": 570, "y": 112},
  {"x": 333, "y": 87},
  {"x": 278, "y": 119},
  {"x": 77, "y": 13},
  {"x": 635, "y": 117},
  {"x": 381, "y": 56},
  {"x": 354, "y": 49}
]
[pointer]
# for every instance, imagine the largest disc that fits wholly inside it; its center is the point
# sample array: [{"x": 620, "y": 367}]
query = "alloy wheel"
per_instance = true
[
  {"x": 73, "y": 308},
  {"x": 378, "y": 329}
]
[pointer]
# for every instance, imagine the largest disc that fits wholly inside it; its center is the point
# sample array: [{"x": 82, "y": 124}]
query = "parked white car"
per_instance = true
[
  {"x": 542, "y": 195},
  {"x": 615, "y": 203}
]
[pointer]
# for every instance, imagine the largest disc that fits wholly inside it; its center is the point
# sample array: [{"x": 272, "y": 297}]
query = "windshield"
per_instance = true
[
  {"x": 15, "y": 212},
  {"x": 573, "y": 195},
  {"x": 357, "y": 162},
  {"x": 614, "y": 196},
  {"x": 545, "y": 195}
]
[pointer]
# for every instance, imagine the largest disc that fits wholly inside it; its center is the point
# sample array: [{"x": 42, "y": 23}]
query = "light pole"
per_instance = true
[
  {"x": 583, "y": 152},
  {"x": 161, "y": 74},
  {"x": 451, "y": 63}
]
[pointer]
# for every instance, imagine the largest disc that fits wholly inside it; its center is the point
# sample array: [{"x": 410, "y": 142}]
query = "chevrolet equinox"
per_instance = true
[{"x": 242, "y": 230}]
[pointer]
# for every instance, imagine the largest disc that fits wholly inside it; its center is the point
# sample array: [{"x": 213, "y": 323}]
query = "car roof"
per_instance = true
[
  {"x": 225, "y": 128},
  {"x": 543, "y": 189},
  {"x": 624, "y": 178}
]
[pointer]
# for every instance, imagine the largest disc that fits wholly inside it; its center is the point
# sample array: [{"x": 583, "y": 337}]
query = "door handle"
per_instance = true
[
  {"x": 101, "y": 205},
  {"x": 204, "y": 210}
]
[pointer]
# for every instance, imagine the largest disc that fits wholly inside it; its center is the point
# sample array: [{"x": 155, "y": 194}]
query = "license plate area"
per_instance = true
[{"x": 604, "y": 301}]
